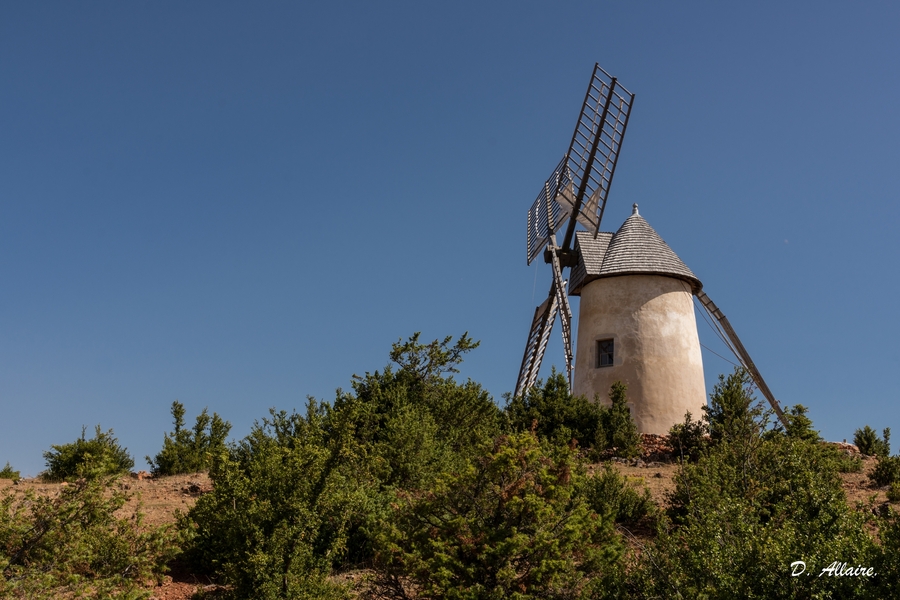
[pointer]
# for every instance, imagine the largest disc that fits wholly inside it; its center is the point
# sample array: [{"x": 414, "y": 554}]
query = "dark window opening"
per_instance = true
[{"x": 605, "y": 353}]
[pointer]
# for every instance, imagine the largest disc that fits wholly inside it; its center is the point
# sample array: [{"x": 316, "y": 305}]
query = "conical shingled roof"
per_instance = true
[{"x": 635, "y": 249}]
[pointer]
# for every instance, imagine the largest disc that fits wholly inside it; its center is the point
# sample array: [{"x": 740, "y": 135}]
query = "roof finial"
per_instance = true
[{"x": 634, "y": 210}]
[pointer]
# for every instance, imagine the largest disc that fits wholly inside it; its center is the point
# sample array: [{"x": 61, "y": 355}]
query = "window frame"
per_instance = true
[{"x": 602, "y": 353}]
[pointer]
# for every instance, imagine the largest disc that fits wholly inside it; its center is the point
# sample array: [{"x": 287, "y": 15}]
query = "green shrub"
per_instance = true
[
  {"x": 416, "y": 420},
  {"x": 893, "y": 493},
  {"x": 731, "y": 413},
  {"x": 688, "y": 439},
  {"x": 74, "y": 543},
  {"x": 610, "y": 493},
  {"x": 511, "y": 525},
  {"x": 555, "y": 414},
  {"x": 870, "y": 444},
  {"x": 280, "y": 510},
  {"x": 849, "y": 464},
  {"x": 886, "y": 559},
  {"x": 100, "y": 455},
  {"x": 886, "y": 471},
  {"x": 799, "y": 425},
  {"x": 749, "y": 507},
  {"x": 618, "y": 428},
  {"x": 413, "y": 421},
  {"x": 302, "y": 494},
  {"x": 843, "y": 461},
  {"x": 8, "y": 473},
  {"x": 190, "y": 450}
]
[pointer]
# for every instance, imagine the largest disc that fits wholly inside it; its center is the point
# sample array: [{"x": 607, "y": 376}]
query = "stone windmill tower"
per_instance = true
[
  {"x": 636, "y": 321},
  {"x": 636, "y": 324}
]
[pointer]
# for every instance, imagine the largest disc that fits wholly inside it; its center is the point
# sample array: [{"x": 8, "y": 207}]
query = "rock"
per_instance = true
[
  {"x": 850, "y": 449},
  {"x": 656, "y": 448}
]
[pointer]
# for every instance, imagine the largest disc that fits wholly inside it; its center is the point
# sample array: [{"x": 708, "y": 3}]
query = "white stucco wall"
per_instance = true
[{"x": 657, "y": 351}]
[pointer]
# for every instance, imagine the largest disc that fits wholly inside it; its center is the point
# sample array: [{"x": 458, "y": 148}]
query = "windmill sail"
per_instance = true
[
  {"x": 594, "y": 150},
  {"x": 538, "y": 336},
  {"x": 546, "y": 216},
  {"x": 580, "y": 182},
  {"x": 741, "y": 353}
]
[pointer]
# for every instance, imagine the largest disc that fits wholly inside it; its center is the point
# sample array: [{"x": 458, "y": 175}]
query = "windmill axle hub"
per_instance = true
[{"x": 567, "y": 258}]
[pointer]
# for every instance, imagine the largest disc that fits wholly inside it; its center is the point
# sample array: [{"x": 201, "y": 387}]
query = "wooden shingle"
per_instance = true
[{"x": 635, "y": 249}]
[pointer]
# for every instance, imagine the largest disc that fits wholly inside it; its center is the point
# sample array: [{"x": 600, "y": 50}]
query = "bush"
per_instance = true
[
  {"x": 98, "y": 456},
  {"x": 416, "y": 421},
  {"x": 280, "y": 509},
  {"x": 559, "y": 417},
  {"x": 75, "y": 544},
  {"x": 870, "y": 444},
  {"x": 611, "y": 494},
  {"x": 303, "y": 494},
  {"x": 799, "y": 425},
  {"x": 886, "y": 560},
  {"x": 510, "y": 526},
  {"x": 8, "y": 473},
  {"x": 893, "y": 493},
  {"x": 747, "y": 509},
  {"x": 731, "y": 414},
  {"x": 555, "y": 414},
  {"x": 189, "y": 451},
  {"x": 688, "y": 439},
  {"x": 843, "y": 461},
  {"x": 618, "y": 428},
  {"x": 886, "y": 471}
]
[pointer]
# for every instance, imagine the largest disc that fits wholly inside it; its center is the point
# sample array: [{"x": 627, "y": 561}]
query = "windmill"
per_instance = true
[{"x": 576, "y": 192}]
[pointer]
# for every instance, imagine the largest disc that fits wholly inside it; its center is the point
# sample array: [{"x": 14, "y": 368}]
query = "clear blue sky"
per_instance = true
[{"x": 241, "y": 204}]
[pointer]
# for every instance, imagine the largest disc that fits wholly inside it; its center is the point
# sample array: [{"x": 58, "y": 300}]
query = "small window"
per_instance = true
[{"x": 605, "y": 353}]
